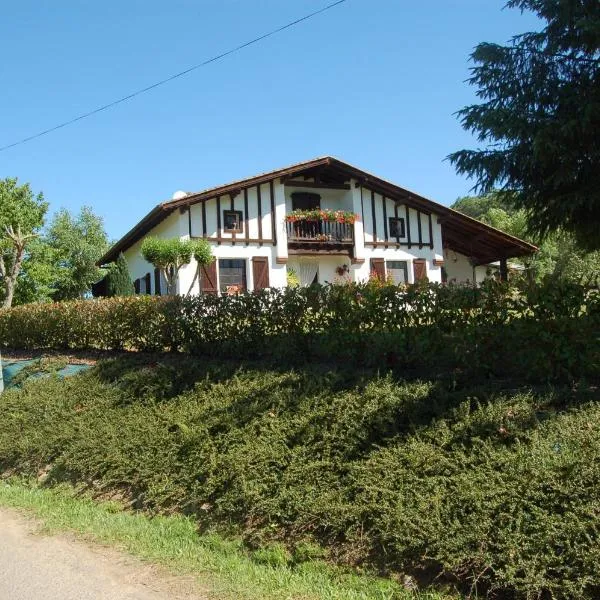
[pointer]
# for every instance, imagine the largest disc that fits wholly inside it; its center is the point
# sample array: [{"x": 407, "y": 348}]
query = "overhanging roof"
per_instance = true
[{"x": 480, "y": 242}]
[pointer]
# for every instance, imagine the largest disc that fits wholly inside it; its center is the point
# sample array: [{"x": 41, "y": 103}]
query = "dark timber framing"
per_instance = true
[
  {"x": 246, "y": 228},
  {"x": 232, "y": 196},
  {"x": 385, "y": 223},
  {"x": 273, "y": 228},
  {"x": 219, "y": 233},
  {"x": 312, "y": 184},
  {"x": 374, "y": 214},
  {"x": 362, "y": 205},
  {"x": 482, "y": 243},
  {"x": 396, "y": 217},
  {"x": 204, "y": 232},
  {"x": 420, "y": 229},
  {"x": 430, "y": 231},
  {"x": 189, "y": 213},
  {"x": 408, "y": 226},
  {"x": 259, "y": 205}
]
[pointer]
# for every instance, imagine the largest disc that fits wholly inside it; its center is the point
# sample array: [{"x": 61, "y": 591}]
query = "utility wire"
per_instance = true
[{"x": 176, "y": 76}]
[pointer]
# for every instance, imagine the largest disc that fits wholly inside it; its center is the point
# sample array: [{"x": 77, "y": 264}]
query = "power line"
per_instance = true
[{"x": 176, "y": 76}]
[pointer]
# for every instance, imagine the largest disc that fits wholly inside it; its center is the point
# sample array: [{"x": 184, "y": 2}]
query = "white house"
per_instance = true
[{"x": 395, "y": 232}]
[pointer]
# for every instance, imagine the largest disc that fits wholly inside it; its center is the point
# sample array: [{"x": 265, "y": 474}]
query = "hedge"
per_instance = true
[{"x": 541, "y": 332}]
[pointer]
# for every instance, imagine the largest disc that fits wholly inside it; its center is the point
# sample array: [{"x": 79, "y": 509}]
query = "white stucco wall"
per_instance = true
[
  {"x": 356, "y": 199},
  {"x": 138, "y": 267},
  {"x": 459, "y": 269}
]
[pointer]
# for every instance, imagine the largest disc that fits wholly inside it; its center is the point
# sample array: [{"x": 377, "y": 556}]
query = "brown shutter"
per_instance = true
[
  {"x": 157, "y": 290},
  {"x": 378, "y": 268},
  {"x": 420, "y": 269},
  {"x": 148, "y": 288},
  {"x": 136, "y": 286},
  {"x": 260, "y": 272},
  {"x": 209, "y": 278}
]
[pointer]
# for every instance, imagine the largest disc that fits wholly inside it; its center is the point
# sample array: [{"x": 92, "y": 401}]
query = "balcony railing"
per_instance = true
[{"x": 325, "y": 232}]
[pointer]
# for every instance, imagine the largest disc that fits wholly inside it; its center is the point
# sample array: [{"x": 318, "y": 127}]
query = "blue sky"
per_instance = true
[{"x": 373, "y": 82}]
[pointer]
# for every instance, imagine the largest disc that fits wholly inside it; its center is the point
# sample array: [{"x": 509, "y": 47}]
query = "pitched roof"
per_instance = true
[{"x": 461, "y": 233}]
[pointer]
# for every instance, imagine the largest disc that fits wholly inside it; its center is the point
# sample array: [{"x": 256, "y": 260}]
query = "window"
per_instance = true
[
  {"x": 397, "y": 270},
  {"x": 305, "y": 201},
  {"x": 233, "y": 221},
  {"x": 232, "y": 275},
  {"x": 397, "y": 227}
]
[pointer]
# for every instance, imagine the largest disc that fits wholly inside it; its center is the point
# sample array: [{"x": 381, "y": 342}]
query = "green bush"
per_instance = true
[
  {"x": 547, "y": 332},
  {"x": 478, "y": 486}
]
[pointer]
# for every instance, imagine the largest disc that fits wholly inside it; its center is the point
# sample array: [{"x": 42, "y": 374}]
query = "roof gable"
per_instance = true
[{"x": 462, "y": 233}]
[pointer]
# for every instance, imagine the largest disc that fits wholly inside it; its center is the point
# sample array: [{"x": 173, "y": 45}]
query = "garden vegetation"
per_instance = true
[{"x": 438, "y": 436}]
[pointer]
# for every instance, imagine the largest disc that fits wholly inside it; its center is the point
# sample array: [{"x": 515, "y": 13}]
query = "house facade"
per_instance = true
[{"x": 321, "y": 221}]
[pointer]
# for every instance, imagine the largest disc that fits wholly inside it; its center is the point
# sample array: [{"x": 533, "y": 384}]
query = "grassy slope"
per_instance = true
[
  {"x": 464, "y": 480},
  {"x": 173, "y": 542}
]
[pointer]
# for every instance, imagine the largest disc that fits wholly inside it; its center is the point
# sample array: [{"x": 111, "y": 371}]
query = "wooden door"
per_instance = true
[
  {"x": 420, "y": 269},
  {"x": 260, "y": 272},
  {"x": 209, "y": 278},
  {"x": 378, "y": 268}
]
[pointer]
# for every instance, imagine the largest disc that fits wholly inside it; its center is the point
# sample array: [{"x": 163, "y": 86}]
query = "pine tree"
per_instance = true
[
  {"x": 539, "y": 119},
  {"x": 118, "y": 279}
]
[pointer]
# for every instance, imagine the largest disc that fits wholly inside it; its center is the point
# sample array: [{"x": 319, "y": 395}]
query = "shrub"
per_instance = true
[
  {"x": 488, "y": 489},
  {"x": 118, "y": 279},
  {"x": 538, "y": 333}
]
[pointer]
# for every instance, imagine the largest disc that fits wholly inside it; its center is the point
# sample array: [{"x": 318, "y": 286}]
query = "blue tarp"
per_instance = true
[{"x": 10, "y": 368}]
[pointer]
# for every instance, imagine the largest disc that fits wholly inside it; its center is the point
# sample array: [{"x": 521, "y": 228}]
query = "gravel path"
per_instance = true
[{"x": 35, "y": 567}]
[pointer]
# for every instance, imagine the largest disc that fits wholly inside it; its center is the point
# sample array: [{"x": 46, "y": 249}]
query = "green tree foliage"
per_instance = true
[
  {"x": 77, "y": 243},
  {"x": 559, "y": 256},
  {"x": 170, "y": 255},
  {"x": 202, "y": 253},
  {"x": 118, "y": 279},
  {"x": 539, "y": 119},
  {"x": 21, "y": 217}
]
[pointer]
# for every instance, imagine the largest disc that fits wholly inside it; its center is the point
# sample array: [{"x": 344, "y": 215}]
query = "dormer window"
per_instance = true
[{"x": 233, "y": 221}]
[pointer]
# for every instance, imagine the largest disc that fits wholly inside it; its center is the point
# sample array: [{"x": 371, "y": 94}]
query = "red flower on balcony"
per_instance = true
[{"x": 327, "y": 215}]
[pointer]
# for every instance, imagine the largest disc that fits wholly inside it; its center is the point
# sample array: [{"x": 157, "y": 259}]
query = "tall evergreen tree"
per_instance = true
[
  {"x": 539, "y": 119},
  {"x": 118, "y": 279}
]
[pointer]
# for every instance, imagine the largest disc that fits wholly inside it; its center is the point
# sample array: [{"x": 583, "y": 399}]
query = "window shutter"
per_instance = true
[
  {"x": 378, "y": 268},
  {"x": 420, "y": 269},
  {"x": 209, "y": 278},
  {"x": 148, "y": 288},
  {"x": 136, "y": 286},
  {"x": 260, "y": 271},
  {"x": 157, "y": 290}
]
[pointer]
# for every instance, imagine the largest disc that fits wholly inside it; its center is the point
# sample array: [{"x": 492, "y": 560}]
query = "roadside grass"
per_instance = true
[{"x": 173, "y": 542}]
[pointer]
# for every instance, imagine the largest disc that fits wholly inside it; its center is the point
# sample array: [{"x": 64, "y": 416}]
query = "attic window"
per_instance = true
[
  {"x": 232, "y": 221},
  {"x": 397, "y": 229}
]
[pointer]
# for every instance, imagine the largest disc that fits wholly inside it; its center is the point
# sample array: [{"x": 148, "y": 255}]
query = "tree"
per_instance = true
[
  {"x": 559, "y": 255},
  {"x": 118, "y": 279},
  {"x": 21, "y": 217},
  {"x": 77, "y": 243},
  {"x": 169, "y": 256},
  {"x": 202, "y": 253},
  {"x": 540, "y": 119}
]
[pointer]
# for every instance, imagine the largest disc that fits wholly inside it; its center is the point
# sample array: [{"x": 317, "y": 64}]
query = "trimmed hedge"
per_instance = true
[{"x": 539, "y": 332}]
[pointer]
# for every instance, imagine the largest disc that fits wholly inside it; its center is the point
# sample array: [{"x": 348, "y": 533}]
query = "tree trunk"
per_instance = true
[{"x": 10, "y": 276}]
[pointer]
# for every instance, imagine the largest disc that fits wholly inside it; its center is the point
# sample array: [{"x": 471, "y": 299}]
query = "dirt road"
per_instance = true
[{"x": 35, "y": 567}]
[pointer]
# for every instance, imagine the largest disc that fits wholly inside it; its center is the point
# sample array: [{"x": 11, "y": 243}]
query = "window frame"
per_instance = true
[
  {"x": 240, "y": 221},
  {"x": 402, "y": 224},
  {"x": 404, "y": 268},
  {"x": 222, "y": 289}
]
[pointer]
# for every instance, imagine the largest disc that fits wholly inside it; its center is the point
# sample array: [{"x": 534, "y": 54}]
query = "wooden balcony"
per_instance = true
[{"x": 320, "y": 234}]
